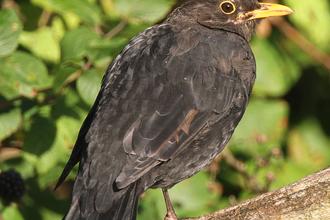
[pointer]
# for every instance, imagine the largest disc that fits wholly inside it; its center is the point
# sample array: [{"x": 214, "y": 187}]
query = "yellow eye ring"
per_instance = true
[{"x": 227, "y": 7}]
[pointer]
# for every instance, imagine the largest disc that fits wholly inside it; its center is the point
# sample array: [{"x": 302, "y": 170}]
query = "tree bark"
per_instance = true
[{"x": 308, "y": 198}]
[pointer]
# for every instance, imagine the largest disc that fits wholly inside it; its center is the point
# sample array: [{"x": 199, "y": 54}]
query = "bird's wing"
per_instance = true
[{"x": 199, "y": 80}]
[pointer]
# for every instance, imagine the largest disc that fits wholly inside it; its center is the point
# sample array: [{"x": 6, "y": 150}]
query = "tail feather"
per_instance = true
[
  {"x": 129, "y": 205},
  {"x": 125, "y": 208}
]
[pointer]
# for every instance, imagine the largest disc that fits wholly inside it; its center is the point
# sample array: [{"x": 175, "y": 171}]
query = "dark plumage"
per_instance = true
[{"x": 168, "y": 105}]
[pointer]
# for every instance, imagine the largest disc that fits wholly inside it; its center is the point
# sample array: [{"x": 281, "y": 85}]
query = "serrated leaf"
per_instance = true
[
  {"x": 22, "y": 74},
  {"x": 276, "y": 72},
  {"x": 149, "y": 11},
  {"x": 42, "y": 43},
  {"x": 10, "y": 29},
  {"x": 88, "y": 86},
  {"x": 9, "y": 122},
  {"x": 86, "y": 10}
]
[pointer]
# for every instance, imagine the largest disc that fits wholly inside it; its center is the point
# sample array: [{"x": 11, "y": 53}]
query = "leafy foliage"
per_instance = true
[{"x": 53, "y": 54}]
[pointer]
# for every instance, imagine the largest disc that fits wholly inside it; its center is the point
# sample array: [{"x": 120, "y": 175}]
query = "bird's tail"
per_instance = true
[
  {"x": 126, "y": 207},
  {"x": 123, "y": 208}
]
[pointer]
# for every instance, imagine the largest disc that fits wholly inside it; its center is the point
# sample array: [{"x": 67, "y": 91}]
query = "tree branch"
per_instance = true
[
  {"x": 117, "y": 29},
  {"x": 293, "y": 34},
  {"x": 308, "y": 198}
]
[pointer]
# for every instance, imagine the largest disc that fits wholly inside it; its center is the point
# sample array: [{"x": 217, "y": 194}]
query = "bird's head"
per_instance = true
[{"x": 240, "y": 16}]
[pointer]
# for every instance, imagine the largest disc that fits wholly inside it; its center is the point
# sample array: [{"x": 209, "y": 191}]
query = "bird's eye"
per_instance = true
[{"x": 227, "y": 7}]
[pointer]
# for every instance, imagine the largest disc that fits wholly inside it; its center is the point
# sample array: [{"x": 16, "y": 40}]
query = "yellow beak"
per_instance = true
[{"x": 266, "y": 10}]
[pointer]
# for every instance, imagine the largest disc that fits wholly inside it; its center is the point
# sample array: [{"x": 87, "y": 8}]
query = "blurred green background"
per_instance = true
[{"x": 53, "y": 54}]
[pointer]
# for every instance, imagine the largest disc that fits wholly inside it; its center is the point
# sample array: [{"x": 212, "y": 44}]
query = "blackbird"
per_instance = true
[{"x": 168, "y": 105}]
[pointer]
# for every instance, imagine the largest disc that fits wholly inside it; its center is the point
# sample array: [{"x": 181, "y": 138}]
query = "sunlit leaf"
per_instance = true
[
  {"x": 10, "y": 213},
  {"x": 86, "y": 10},
  {"x": 9, "y": 122},
  {"x": 146, "y": 10},
  {"x": 22, "y": 74},
  {"x": 313, "y": 18},
  {"x": 10, "y": 29},
  {"x": 42, "y": 43}
]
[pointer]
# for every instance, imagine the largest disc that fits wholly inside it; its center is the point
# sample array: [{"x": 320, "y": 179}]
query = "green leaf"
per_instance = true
[
  {"x": 308, "y": 145},
  {"x": 88, "y": 86},
  {"x": 10, "y": 213},
  {"x": 42, "y": 204},
  {"x": 100, "y": 48},
  {"x": 22, "y": 74},
  {"x": 190, "y": 197},
  {"x": 85, "y": 43},
  {"x": 149, "y": 11},
  {"x": 86, "y": 10},
  {"x": 313, "y": 18},
  {"x": 75, "y": 43},
  {"x": 62, "y": 77},
  {"x": 60, "y": 150},
  {"x": 58, "y": 28},
  {"x": 66, "y": 117},
  {"x": 42, "y": 43},
  {"x": 41, "y": 136},
  {"x": 72, "y": 20},
  {"x": 9, "y": 122},
  {"x": 22, "y": 166},
  {"x": 50, "y": 177},
  {"x": 10, "y": 29},
  {"x": 276, "y": 72},
  {"x": 152, "y": 198},
  {"x": 265, "y": 122},
  {"x": 290, "y": 172}
]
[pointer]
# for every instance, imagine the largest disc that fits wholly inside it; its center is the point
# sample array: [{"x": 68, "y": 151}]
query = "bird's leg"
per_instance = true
[{"x": 170, "y": 211}]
